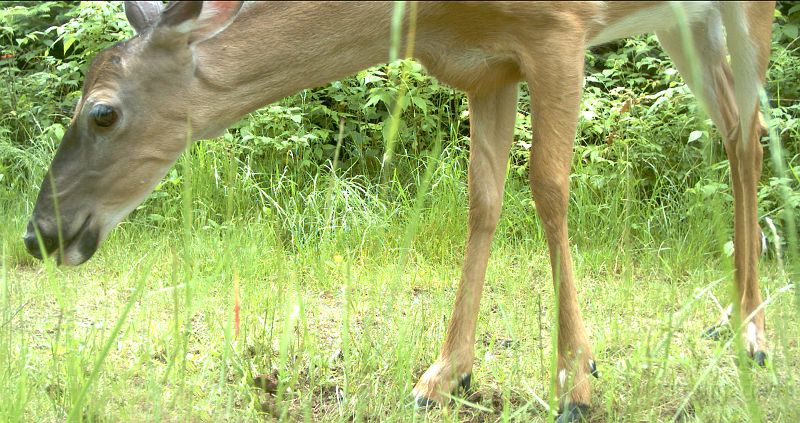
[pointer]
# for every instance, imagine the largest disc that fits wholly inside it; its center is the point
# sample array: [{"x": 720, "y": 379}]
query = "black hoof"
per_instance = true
[
  {"x": 425, "y": 402},
  {"x": 593, "y": 369},
  {"x": 463, "y": 385},
  {"x": 465, "y": 382},
  {"x": 760, "y": 358},
  {"x": 575, "y": 412},
  {"x": 717, "y": 332}
]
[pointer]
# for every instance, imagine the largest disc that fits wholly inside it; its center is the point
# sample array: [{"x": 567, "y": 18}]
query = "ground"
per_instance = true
[{"x": 341, "y": 332}]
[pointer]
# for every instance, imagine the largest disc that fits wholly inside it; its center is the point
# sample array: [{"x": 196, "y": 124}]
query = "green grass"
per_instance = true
[
  {"x": 346, "y": 284},
  {"x": 341, "y": 328}
]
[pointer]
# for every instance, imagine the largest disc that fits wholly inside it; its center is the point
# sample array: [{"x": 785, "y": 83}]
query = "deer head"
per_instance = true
[{"x": 136, "y": 115}]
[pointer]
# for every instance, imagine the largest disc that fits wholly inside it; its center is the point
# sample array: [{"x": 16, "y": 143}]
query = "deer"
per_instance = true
[{"x": 194, "y": 68}]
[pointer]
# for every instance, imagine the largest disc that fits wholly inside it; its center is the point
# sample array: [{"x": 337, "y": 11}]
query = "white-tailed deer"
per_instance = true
[{"x": 195, "y": 68}]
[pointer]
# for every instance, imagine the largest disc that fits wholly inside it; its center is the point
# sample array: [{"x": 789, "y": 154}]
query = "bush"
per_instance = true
[{"x": 641, "y": 137}]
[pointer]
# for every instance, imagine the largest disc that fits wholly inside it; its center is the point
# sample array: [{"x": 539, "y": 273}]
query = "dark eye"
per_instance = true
[{"x": 103, "y": 115}]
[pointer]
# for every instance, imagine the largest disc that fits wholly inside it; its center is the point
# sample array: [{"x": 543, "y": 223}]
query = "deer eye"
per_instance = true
[{"x": 103, "y": 115}]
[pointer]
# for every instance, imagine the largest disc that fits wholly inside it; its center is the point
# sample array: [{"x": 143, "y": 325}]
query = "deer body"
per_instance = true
[{"x": 195, "y": 69}]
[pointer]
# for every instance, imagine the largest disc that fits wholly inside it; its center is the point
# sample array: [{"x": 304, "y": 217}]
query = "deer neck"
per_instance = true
[{"x": 274, "y": 50}]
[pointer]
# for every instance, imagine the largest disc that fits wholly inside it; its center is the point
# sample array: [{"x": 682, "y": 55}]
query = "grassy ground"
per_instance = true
[{"x": 337, "y": 326}]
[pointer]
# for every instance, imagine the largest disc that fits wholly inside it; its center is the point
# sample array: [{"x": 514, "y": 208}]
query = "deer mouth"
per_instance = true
[
  {"x": 81, "y": 246},
  {"x": 72, "y": 251}
]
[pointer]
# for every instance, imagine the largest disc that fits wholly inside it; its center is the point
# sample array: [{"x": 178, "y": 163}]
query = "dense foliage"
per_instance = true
[{"x": 641, "y": 135}]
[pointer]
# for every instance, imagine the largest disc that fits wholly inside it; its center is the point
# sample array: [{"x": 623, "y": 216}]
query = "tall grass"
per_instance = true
[
  {"x": 342, "y": 333},
  {"x": 347, "y": 281}
]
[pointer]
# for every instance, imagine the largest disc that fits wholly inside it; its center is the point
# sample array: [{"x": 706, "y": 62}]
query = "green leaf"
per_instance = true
[
  {"x": 728, "y": 248},
  {"x": 370, "y": 78},
  {"x": 58, "y": 131},
  {"x": 695, "y": 135},
  {"x": 420, "y": 103},
  {"x": 790, "y": 30},
  {"x": 68, "y": 42}
]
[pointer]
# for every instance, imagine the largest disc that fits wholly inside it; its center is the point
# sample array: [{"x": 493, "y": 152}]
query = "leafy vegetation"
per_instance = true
[{"x": 312, "y": 233}]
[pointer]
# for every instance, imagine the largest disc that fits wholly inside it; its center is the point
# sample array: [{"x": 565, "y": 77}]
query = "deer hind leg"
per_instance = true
[
  {"x": 555, "y": 85},
  {"x": 492, "y": 116},
  {"x": 740, "y": 134}
]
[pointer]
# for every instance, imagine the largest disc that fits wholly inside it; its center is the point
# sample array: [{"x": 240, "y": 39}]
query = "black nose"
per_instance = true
[{"x": 32, "y": 243}]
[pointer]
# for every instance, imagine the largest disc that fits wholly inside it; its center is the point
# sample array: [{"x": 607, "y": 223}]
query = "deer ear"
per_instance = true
[
  {"x": 143, "y": 15},
  {"x": 199, "y": 20}
]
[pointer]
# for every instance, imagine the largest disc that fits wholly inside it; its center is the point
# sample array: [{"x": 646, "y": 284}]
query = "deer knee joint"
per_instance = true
[{"x": 484, "y": 212}]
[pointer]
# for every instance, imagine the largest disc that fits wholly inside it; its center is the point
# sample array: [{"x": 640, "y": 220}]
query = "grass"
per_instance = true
[
  {"x": 338, "y": 329},
  {"x": 345, "y": 286}
]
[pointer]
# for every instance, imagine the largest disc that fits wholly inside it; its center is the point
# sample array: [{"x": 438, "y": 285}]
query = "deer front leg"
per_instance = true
[
  {"x": 492, "y": 115},
  {"x": 555, "y": 86}
]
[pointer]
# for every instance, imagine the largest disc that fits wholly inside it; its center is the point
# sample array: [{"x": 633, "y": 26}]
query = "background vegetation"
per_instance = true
[{"x": 144, "y": 331}]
